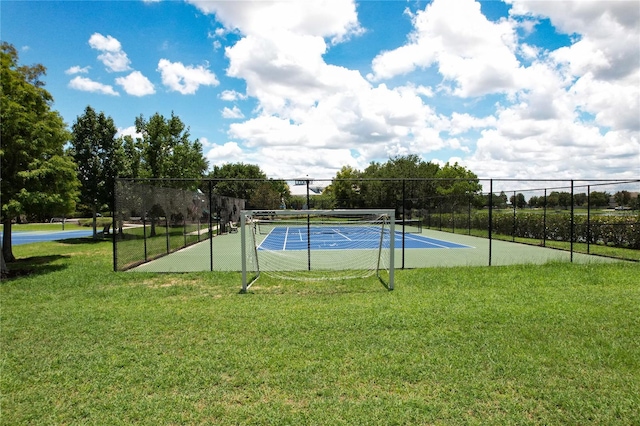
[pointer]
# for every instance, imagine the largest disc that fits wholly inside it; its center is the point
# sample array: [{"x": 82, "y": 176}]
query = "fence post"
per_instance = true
[
  {"x": 166, "y": 230},
  {"x": 469, "y": 213},
  {"x": 513, "y": 231},
  {"x": 113, "y": 227},
  {"x": 490, "y": 216},
  {"x": 144, "y": 234},
  {"x": 588, "y": 219},
  {"x": 404, "y": 218},
  {"x": 184, "y": 220},
  {"x": 571, "y": 235},
  {"x": 308, "y": 230},
  {"x": 544, "y": 220},
  {"x": 210, "y": 231}
]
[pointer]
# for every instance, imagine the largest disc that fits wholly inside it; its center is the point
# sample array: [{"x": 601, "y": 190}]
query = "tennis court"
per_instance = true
[
  {"x": 429, "y": 248},
  {"x": 27, "y": 237},
  {"x": 343, "y": 238}
]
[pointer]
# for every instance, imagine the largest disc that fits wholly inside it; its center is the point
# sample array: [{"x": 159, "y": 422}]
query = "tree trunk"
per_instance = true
[
  {"x": 3, "y": 266},
  {"x": 95, "y": 224},
  {"x": 7, "y": 249}
]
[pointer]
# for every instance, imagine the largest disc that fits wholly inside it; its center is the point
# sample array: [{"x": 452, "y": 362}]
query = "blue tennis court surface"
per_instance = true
[
  {"x": 27, "y": 237},
  {"x": 295, "y": 238}
]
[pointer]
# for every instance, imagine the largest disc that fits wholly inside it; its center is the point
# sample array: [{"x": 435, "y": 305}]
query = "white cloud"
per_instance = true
[
  {"x": 336, "y": 19},
  {"x": 77, "y": 70},
  {"x": 231, "y": 95},
  {"x": 129, "y": 131},
  {"x": 136, "y": 84},
  {"x": 616, "y": 106},
  {"x": 112, "y": 56},
  {"x": 185, "y": 79},
  {"x": 229, "y": 152},
  {"x": 87, "y": 85},
  {"x": 462, "y": 123},
  {"x": 234, "y": 113},
  {"x": 475, "y": 54},
  {"x": 609, "y": 45},
  {"x": 553, "y": 116}
]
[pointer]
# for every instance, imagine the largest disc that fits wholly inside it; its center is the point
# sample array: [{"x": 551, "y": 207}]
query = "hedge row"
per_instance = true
[{"x": 616, "y": 231}]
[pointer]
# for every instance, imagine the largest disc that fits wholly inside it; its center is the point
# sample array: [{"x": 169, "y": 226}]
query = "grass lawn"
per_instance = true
[{"x": 553, "y": 344}]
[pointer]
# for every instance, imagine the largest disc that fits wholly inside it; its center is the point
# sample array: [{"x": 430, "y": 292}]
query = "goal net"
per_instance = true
[{"x": 317, "y": 244}]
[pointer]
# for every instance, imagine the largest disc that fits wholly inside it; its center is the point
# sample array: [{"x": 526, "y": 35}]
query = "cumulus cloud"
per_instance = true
[
  {"x": 229, "y": 152},
  {"x": 77, "y": 70},
  {"x": 234, "y": 113},
  {"x": 231, "y": 95},
  {"x": 563, "y": 113},
  {"x": 128, "y": 131},
  {"x": 336, "y": 19},
  {"x": 87, "y": 85},
  {"x": 475, "y": 54},
  {"x": 185, "y": 79},
  {"x": 112, "y": 56},
  {"x": 136, "y": 84},
  {"x": 608, "y": 45}
]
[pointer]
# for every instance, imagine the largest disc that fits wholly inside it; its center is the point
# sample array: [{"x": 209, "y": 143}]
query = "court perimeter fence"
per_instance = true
[{"x": 504, "y": 221}]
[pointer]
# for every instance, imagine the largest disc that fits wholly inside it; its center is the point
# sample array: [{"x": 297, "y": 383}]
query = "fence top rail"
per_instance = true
[
  {"x": 374, "y": 179},
  {"x": 264, "y": 212}
]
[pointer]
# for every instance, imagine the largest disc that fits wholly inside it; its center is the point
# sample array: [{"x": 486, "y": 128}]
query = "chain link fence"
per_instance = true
[{"x": 187, "y": 225}]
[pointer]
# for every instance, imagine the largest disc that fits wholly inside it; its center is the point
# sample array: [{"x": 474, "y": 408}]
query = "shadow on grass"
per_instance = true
[
  {"x": 35, "y": 265},
  {"x": 85, "y": 240}
]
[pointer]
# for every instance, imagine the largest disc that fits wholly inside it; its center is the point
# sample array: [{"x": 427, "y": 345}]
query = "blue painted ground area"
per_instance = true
[
  {"x": 28, "y": 237},
  {"x": 297, "y": 238}
]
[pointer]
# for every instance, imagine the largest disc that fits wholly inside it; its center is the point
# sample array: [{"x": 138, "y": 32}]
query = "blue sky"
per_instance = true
[{"x": 515, "y": 89}]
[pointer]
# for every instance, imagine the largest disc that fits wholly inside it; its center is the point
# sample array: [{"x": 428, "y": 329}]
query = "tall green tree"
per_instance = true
[
  {"x": 458, "y": 185},
  {"x": 518, "y": 200},
  {"x": 166, "y": 150},
  {"x": 96, "y": 151},
  {"x": 237, "y": 180},
  {"x": 599, "y": 198},
  {"x": 622, "y": 198},
  {"x": 37, "y": 175},
  {"x": 345, "y": 188}
]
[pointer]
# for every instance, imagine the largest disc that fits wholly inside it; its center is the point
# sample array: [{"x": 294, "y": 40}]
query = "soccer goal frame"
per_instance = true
[{"x": 380, "y": 255}]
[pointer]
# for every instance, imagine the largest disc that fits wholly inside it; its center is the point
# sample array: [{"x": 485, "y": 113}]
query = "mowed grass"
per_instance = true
[{"x": 553, "y": 344}]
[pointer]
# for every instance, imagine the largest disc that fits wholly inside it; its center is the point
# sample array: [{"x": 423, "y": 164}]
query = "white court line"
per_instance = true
[
  {"x": 286, "y": 237},
  {"x": 428, "y": 240},
  {"x": 341, "y": 234}
]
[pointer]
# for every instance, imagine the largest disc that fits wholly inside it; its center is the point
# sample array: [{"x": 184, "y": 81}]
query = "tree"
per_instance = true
[
  {"x": 37, "y": 175},
  {"x": 536, "y": 201},
  {"x": 564, "y": 199},
  {"x": 622, "y": 198},
  {"x": 166, "y": 150},
  {"x": 345, "y": 188},
  {"x": 553, "y": 199},
  {"x": 518, "y": 200},
  {"x": 95, "y": 149},
  {"x": 458, "y": 184},
  {"x": 580, "y": 199},
  {"x": 266, "y": 197},
  {"x": 237, "y": 180},
  {"x": 599, "y": 199},
  {"x": 398, "y": 177}
]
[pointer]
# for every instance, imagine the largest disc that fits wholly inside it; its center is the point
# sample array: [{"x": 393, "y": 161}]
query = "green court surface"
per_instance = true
[{"x": 226, "y": 254}]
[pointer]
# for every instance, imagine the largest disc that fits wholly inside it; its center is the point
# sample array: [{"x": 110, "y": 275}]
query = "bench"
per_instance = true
[{"x": 232, "y": 228}]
